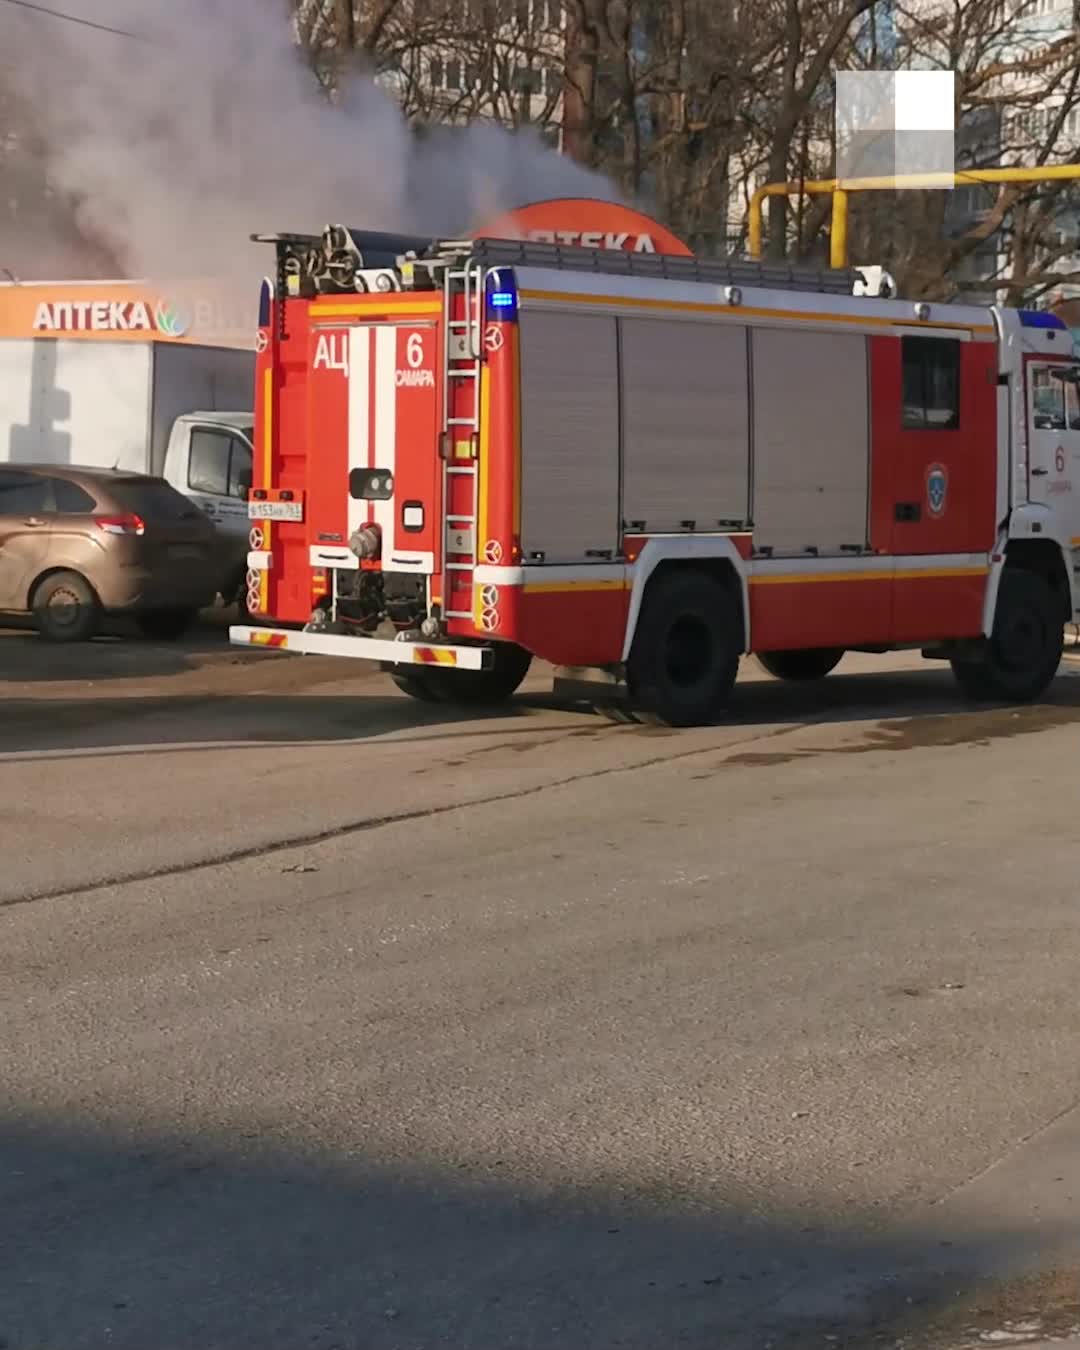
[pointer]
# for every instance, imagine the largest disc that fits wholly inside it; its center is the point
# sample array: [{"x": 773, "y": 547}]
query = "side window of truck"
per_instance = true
[
  {"x": 931, "y": 383},
  {"x": 219, "y": 464},
  {"x": 1047, "y": 400},
  {"x": 1072, "y": 406}
]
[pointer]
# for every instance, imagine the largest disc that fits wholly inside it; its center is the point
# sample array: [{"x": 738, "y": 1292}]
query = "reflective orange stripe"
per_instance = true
[{"x": 432, "y": 656}]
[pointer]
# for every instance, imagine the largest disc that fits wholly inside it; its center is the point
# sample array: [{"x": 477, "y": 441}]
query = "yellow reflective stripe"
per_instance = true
[
  {"x": 881, "y": 574},
  {"x": 268, "y": 465},
  {"x": 431, "y": 656},
  {"x": 743, "y": 311},
  {"x": 553, "y": 587},
  {"x": 377, "y": 304}
]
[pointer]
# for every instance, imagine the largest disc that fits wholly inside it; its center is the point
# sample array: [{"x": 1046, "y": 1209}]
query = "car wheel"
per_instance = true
[
  {"x": 685, "y": 655},
  {"x": 810, "y": 663},
  {"x": 165, "y": 625},
  {"x": 65, "y": 608}
]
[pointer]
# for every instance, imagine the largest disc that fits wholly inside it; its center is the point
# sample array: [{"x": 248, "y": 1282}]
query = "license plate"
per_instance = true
[{"x": 275, "y": 510}]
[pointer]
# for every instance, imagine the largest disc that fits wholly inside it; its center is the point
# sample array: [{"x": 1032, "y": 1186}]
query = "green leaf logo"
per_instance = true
[{"x": 171, "y": 319}]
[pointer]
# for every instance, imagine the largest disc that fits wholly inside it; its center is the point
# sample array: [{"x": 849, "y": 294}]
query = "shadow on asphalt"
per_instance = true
[
  {"x": 121, "y": 653},
  {"x": 921, "y": 707},
  {"x": 146, "y": 1241}
]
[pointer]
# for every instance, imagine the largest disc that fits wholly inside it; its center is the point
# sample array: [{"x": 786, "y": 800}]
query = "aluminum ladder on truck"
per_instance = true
[{"x": 461, "y": 361}]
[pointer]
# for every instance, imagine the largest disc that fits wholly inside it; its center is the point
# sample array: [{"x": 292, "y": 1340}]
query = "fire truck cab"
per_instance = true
[{"x": 639, "y": 467}]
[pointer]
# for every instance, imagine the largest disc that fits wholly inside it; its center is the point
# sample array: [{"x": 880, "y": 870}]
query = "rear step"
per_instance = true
[{"x": 386, "y": 651}]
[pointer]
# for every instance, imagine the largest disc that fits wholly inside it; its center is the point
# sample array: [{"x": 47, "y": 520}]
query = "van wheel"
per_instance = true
[
  {"x": 479, "y": 688},
  {"x": 239, "y": 597},
  {"x": 685, "y": 655},
  {"x": 165, "y": 625},
  {"x": 810, "y": 663},
  {"x": 65, "y": 608},
  {"x": 1024, "y": 650}
]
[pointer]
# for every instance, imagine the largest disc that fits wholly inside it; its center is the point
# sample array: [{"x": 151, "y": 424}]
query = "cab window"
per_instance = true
[
  {"x": 931, "y": 383},
  {"x": 1072, "y": 406},
  {"x": 1047, "y": 400},
  {"x": 219, "y": 464}
]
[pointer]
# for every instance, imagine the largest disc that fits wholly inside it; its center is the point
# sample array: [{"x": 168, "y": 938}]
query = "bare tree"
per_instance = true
[
  {"x": 812, "y": 34},
  {"x": 1017, "y": 102}
]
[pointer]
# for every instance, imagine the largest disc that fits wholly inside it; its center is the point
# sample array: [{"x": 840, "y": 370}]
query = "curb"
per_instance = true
[{"x": 999, "y": 1228}]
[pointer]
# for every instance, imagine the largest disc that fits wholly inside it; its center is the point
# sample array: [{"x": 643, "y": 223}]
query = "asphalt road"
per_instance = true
[{"x": 329, "y": 1021}]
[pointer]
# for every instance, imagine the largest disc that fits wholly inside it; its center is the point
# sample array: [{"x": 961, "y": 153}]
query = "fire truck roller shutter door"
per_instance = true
[
  {"x": 811, "y": 440},
  {"x": 570, "y": 436},
  {"x": 686, "y": 424}
]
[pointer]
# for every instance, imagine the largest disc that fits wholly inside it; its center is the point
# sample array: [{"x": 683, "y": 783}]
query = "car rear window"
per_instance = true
[
  {"x": 71, "y": 499},
  {"x": 152, "y": 499}
]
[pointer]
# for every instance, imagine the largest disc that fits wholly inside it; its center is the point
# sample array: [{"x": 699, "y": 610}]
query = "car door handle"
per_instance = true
[
  {"x": 34, "y": 520},
  {"x": 1039, "y": 473}
]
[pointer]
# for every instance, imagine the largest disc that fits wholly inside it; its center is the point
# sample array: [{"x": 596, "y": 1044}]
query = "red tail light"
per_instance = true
[{"x": 129, "y": 524}]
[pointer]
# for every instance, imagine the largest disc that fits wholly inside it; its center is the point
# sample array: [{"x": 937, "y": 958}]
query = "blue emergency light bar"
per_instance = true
[
  {"x": 1040, "y": 318},
  {"x": 501, "y": 298},
  {"x": 266, "y": 297}
]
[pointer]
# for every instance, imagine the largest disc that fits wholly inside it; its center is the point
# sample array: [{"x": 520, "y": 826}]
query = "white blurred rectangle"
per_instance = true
[
  {"x": 896, "y": 125},
  {"x": 925, "y": 100}
]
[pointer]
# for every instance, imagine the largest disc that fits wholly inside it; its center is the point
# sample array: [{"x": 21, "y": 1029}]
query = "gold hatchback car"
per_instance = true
[{"x": 79, "y": 544}]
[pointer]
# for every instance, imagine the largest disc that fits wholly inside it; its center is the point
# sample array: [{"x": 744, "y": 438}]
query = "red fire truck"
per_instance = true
[{"x": 638, "y": 467}]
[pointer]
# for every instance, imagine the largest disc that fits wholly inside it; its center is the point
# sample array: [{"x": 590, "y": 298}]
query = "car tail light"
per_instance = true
[{"x": 129, "y": 524}]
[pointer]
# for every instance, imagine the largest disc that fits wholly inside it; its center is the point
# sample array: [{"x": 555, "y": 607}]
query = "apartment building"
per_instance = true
[{"x": 458, "y": 61}]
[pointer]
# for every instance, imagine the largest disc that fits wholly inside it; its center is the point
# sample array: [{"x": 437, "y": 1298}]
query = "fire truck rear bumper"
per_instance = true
[{"x": 383, "y": 650}]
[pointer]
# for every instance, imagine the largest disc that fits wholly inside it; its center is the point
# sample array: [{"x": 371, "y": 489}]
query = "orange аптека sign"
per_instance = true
[
  {"x": 121, "y": 311},
  {"x": 586, "y": 223}
]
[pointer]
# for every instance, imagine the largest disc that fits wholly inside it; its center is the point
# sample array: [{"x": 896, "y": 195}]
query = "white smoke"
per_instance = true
[{"x": 208, "y": 127}]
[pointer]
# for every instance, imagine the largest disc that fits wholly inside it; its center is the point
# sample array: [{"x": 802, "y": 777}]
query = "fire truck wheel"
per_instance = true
[
  {"x": 685, "y": 654},
  {"x": 1024, "y": 651},
  {"x": 479, "y": 687},
  {"x": 416, "y": 684},
  {"x": 439, "y": 684},
  {"x": 810, "y": 663}
]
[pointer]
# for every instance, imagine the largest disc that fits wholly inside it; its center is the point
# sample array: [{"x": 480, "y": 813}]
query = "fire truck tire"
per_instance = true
[
  {"x": 480, "y": 687},
  {"x": 439, "y": 684},
  {"x": 685, "y": 655},
  {"x": 810, "y": 663},
  {"x": 1025, "y": 648},
  {"x": 416, "y": 684}
]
